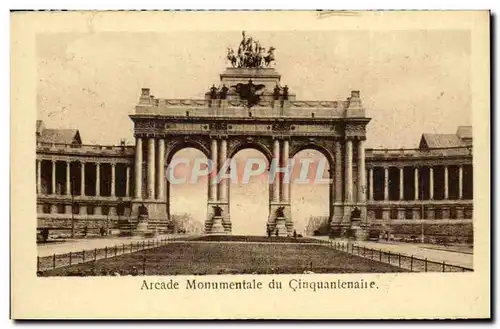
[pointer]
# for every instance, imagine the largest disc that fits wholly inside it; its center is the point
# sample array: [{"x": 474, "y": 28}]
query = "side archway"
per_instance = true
[
  {"x": 183, "y": 214},
  {"x": 312, "y": 188}
]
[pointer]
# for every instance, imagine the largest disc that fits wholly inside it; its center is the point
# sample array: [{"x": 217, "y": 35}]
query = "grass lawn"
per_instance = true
[
  {"x": 199, "y": 258},
  {"x": 253, "y": 238}
]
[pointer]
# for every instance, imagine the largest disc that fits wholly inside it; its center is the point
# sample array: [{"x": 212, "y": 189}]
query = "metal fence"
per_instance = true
[
  {"x": 89, "y": 255},
  {"x": 410, "y": 263}
]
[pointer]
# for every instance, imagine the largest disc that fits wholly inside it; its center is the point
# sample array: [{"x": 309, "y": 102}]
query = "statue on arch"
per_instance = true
[
  {"x": 213, "y": 92},
  {"x": 356, "y": 213},
  {"x": 276, "y": 92},
  {"x": 232, "y": 57},
  {"x": 250, "y": 54},
  {"x": 270, "y": 56},
  {"x": 143, "y": 211},
  {"x": 279, "y": 212},
  {"x": 285, "y": 92},
  {"x": 217, "y": 211},
  {"x": 223, "y": 92}
]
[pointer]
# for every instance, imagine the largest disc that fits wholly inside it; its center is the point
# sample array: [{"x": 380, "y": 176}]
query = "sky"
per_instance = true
[{"x": 410, "y": 82}]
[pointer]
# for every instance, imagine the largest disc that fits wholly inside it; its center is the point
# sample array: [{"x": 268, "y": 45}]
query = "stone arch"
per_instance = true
[
  {"x": 324, "y": 150},
  {"x": 179, "y": 144},
  {"x": 250, "y": 144}
]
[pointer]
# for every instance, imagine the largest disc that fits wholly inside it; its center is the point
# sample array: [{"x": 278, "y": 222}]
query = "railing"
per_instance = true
[
  {"x": 90, "y": 255},
  {"x": 410, "y": 263},
  {"x": 443, "y": 151},
  {"x": 82, "y": 148}
]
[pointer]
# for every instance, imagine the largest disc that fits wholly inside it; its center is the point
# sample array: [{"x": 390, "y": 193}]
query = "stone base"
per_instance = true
[
  {"x": 217, "y": 227},
  {"x": 287, "y": 212},
  {"x": 280, "y": 227},
  {"x": 144, "y": 229},
  {"x": 358, "y": 231},
  {"x": 225, "y": 217},
  {"x": 157, "y": 209}
]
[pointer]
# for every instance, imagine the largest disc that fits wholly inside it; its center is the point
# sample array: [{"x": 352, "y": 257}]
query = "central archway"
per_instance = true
[
  {"x": 311, "y": 191},
  {"x": 249, "y": 194}
]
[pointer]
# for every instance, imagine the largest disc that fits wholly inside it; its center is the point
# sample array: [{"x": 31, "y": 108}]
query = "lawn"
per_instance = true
[{"x": 200, "y": 258}]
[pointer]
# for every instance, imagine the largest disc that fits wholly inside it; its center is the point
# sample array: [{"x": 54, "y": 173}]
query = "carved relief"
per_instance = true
[
  {"x": 352, "y": 130},
  {"x": 281, "y": 126},
  {"x": 218, "y": 126}
]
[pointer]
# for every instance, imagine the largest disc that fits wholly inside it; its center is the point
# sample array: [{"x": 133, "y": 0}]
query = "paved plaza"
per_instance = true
[
  {"x": 417, "y": 250},
  {"x": 76, "y": 245}
]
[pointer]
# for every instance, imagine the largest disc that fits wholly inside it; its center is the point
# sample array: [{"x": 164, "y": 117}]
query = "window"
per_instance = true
[
  {"x": 46, "y": 208},
  {"x": 60, "y": 208}
]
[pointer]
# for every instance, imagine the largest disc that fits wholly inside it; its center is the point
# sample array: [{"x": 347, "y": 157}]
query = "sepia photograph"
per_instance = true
[{"x": 321, "y": 156}]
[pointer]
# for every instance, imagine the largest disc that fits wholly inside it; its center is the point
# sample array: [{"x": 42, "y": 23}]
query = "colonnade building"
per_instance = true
[{"x": 95, "y": 186}]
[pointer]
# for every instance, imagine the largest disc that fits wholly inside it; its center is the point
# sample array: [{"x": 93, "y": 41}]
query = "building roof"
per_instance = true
[
  {"x": 439, "y": 141},
  {"x": 464, "y": 132},
  {"x": 60, "y": 136},
  {"x": 463, "y": 137}
]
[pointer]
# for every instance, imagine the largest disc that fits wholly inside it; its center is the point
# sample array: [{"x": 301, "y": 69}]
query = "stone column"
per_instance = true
[
  {"x": 97, "y": 179},
  {"x": 39, "y": 176},
  {"x": 212, "y": 190},
  {"x": 430, "y": 212},
  {"x": 127, "y": 181},
  {"x": 370, "y": 172},
  {"x": 276, "y": 184},
  {"x": 416, "y": 213},
  {"x": 401, "y": 213},
  {"x": 151, "y": 168},
  {"x": 161, "y": 169},
  {"x": 446, "y": 182},
  {"x": 223, "y": 158},
  {"x": 82, "y": 178},
  {"x": 348, "y": 171},
  {"x": 68, "y": 181},
  {"x": 361, "y": 172},
  {"x": 53, "y": 191},
  {"x": 417, "y": 188},
  {"x": 431, "y": 183},
  {"x": 113, "y": 178},
  {"x": 138, "y": 168},
  {"x": 401, "y": 183},
  {"x": 445, "y": 212},
  {"x": 338, "y": 172},
  {"x": 386, "y": 183},
  {"x": 460, "y": 182},
  {"x": 285, "y": 186}
]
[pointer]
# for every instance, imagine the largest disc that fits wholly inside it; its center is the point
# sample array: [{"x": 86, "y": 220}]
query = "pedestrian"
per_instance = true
[{"x": 294, "y": 234}]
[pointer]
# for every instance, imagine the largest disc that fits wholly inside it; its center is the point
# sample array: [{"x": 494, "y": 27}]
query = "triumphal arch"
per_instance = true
[{"x": 250, "y": 108}]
